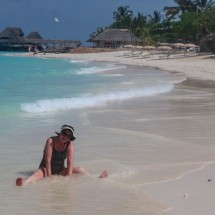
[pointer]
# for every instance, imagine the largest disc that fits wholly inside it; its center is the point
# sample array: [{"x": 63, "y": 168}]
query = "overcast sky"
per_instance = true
[{"x": 77, "y": 18}]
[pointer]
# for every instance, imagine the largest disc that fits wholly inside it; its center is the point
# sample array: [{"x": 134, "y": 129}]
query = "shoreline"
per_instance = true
[
  {"x": 200, "y": 67},
  {"x": 199, "y": 72},
  {"x": 196, "y": 67}
]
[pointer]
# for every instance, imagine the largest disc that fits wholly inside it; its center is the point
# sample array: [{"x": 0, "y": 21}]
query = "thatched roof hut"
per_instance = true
[
  {"x": 12, "y": 35},
  {"x": 34, "y": 35},
  {"x": 115, "y": 38},
  {"x": 13, "y": 39},
  {"x": 35, "y": 38},
  {"x": 17, "y": 31}
]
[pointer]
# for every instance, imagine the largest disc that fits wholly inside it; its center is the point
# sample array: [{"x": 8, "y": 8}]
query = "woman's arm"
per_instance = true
[
  {"x": 48, "y": 155},
  {"x": 70, "y": 158}
]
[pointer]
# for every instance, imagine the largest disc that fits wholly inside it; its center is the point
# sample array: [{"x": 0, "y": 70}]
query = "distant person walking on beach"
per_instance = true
[
  {"x": 44, "y": 49},
  {"x": 29, "y": 49},
  {"x": 56, "y": 150},
  {"x": 35, "y": 50}
]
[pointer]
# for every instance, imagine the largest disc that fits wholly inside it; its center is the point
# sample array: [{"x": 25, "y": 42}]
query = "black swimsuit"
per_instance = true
[{"x": 57, "y": 161}]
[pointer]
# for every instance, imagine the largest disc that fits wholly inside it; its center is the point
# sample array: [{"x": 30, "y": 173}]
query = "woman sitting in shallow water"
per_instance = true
[{"x": 57, "y": 149}]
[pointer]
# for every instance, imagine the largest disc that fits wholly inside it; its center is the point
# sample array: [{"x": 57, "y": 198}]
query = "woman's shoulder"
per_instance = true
[
  {"x": 70, "y": 144},
  {"x": 50, "y": 140}
]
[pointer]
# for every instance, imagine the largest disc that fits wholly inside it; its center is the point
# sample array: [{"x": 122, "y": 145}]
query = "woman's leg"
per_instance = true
[
  {"x": 81, "y": 170},
  {"x": 41, "y": 173},
  {"x": 37, "y": 175},
  {"x": 64, "y": 172}
]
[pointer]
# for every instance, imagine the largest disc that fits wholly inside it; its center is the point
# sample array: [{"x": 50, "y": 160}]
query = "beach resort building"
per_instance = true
[
  {"x": 12, "y": 39},
  {"x": 114, "y": 38}
]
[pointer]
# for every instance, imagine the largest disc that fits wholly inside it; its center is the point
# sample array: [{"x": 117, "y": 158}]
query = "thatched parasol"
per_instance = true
[
  {"x": 164, "y": 48},
  {"x": 138, "y": 47},
  {"x": 178, "y": 45},
  {"x": 190, "y": 45},
  {"x": 128, "y": 46},
  {"x": 163, "y": 44},
  {"x": 149, "y": 47}
]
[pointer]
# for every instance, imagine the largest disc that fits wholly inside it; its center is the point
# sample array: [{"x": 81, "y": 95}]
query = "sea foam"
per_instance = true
[
  {"x": 97, "y": 69},
  {"x": 85, "y": 101}
]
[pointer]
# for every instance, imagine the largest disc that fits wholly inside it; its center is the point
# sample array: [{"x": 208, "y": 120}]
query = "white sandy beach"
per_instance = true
[
  {"x": 199, "y": 67},
  {"x": 191, "y": 190}
]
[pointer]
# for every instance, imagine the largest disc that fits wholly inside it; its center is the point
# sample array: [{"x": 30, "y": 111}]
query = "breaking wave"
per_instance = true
[
  {"x": 95, "y": 69},
  {"x": 56, "y": 104}
]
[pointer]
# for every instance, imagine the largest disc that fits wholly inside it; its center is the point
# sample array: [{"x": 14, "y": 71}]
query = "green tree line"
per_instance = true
[{"x": 187, "y": 21}]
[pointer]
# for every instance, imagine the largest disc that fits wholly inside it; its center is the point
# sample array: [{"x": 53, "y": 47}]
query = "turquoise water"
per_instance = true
[
  {"x": 37, "y": 85},
  {"x": 25, "y": 80},
  {"x": 38, "y": 95}
]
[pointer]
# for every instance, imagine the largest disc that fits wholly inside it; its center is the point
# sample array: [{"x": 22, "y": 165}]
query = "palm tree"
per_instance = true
[
  {"x": 203, "y": 5},
  {"x": 182, "y": 6},
  {"x": 123, "y": 17},
  {"x": 156, "y": 17},
  {"x": 156, "y": 25},
  {"x": 98, "y": 31},
  {"x": 138, "y": 23}
]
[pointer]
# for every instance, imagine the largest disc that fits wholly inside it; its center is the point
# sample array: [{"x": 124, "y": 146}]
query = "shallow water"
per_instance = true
[{"x": 139, "y": 127}]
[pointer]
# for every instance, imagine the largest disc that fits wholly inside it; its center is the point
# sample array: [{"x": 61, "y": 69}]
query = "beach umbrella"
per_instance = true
[
  {"x": 138, "y": 47},
  {"x": 164, "y": 48},
  {"x": 190, "y": 45},
  {"x": 128, "y": 46},
  {"x": 163, "y": 44},
  {"x": 149, "y": 47},
  {"x": 177, "y": 45}
]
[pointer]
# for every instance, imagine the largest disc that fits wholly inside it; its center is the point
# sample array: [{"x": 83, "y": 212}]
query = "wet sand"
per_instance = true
[{"x": 176, "y": 130}]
